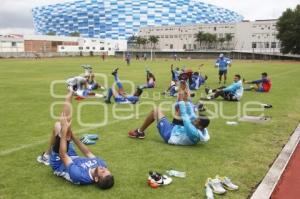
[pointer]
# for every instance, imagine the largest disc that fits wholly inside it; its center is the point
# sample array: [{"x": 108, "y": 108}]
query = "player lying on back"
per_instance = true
[
  {"x": 64, "y": 160},
  {"x": 119, "y": 95}
]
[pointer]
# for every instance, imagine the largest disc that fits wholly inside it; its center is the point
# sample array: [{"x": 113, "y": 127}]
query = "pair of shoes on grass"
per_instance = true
[
  {"x": 44, "y": 159},
  {"x": 89, "y": 139},
  {"x": 219, "y": 185},
  {"x": 156, "y": 180}
]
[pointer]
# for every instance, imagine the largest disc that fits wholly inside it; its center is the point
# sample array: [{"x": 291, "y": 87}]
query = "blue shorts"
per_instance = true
[
  {"x": 261, "y": 89},
  {"x": 126, "y": 100},
  {"x": 165, "y": 128},
  {"x": 55, "y": 162},
  {"x": 222, "y": 72}
]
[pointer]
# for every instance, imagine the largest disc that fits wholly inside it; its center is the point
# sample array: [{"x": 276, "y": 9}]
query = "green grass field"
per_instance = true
[{"x": 242, "y": 152}]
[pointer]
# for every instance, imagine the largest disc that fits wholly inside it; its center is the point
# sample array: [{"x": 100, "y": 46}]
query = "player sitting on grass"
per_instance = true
[
  {"x": 79, "y": 85},
  {"x": 66, "y": 163},
  {"x": 150, "y": 80},
  {"x": 120, "y": 96},
  {"x": 175, "y": 73},
  {"x": 262, "y": 85},
  {"x": 196, "y": 81},
  {"x": 234, "y": 92},
  {"x": 189, "y": 131}
]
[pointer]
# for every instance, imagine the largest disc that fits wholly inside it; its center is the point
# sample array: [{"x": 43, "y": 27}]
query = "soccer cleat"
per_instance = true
[
  {"x": 136, "y": 134},
  {"x": 107, "y": 101},
  {"x": 87, "y": 141},
  {"x": 209, "y": 192},
  {"x": 216, "y": 186},
  {"x": 208, "y": 90},
  {"x": 226, "y": 182},
  {"x": 44, "y": 159},
  {"x": 115, "y": 71},
  {"x": 91, "y": 136},
  {"x": 155, "y": 180}
]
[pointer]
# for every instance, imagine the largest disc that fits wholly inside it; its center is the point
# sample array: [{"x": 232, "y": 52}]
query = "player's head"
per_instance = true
[
  {"x": 103, "y": 178},
  {"x": 221, "y": 55},
  {"x": 237, "y": 78},
  {"x": 264, "y": 75},
  {"x": 201, "y": 122}
]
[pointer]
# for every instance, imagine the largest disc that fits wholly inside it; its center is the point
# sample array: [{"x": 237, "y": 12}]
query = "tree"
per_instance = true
[
  {"x": 144, "y": 42},
  {"x": 153, "y": 41},
  {"x": 228, "y": 39},
  {"x": 199, "y": 38},
  {"x": 288, "y": 27},
  {"x": 51, "y": 33},
  {"x": 139, "y": 41},
  {"x": 221, "y": 40},
  {"x": 74, "y": 34},
  {"x": 132, "y": 41}
]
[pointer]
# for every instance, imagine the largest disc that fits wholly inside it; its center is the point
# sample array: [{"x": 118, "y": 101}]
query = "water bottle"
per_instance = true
[
  {"x": 231, "y": 123},
  {"x": 209, "y": 192},
  {"x": 178, "y": 174}
]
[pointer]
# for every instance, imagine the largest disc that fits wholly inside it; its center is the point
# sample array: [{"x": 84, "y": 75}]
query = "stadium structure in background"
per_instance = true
[{"x": 119, "y": 19}]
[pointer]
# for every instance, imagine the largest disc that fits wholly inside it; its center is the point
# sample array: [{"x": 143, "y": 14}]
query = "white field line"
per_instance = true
[{"x": 45, "y": 139}]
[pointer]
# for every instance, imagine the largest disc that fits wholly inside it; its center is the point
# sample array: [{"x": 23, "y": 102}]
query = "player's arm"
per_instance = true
[
  {"x": 82, "y": 147},
  {"x": 65, "y": 127}
]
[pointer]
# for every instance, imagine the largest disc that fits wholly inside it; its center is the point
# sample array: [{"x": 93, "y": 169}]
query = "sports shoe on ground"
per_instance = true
[
  {"x": 216, "y": 186},
  {"x": 136, "y": 134},
  {"x": 87, "y": 141},
  {"x": 209, "y": 192},
  {"x": 155, "y": 180},
  {"x": 99, "y": 95},
  {"x": 44, "y": 159},
  {"x": 115, "y": 71},
  {"x": 208, "y": 90},
  {"x": 91, "y": 136},
  {"x": 226, "y": 182}
]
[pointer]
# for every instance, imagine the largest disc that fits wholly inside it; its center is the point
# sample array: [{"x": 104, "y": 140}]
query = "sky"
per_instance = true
[{"x": 15, "y": 16}]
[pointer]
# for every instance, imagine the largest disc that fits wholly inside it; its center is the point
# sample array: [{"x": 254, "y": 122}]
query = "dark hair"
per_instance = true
[
  {"x": 264, "y": 74},
  {"x": 106, "y": 183},
  {"x": 238, "y": 76},
  {"x": 204, "y": 121}
]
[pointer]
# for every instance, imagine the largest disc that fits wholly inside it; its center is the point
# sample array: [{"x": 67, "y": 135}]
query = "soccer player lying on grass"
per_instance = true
[
  {"x": 189, "y": 131},
  {"x": 64, "y": 160},
  {"x": 150, "y": 80},
  {"x": 90, "y": 77},
  {"x": 233, "y": 92},
  {"x": 262, "y": 85},
  {"x": 120, "y": 96}
]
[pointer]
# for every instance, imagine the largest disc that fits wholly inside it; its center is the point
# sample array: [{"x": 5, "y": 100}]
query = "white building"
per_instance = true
[
  {"x": 248, "y": 36},
  {"x": 11, "y": 43}
]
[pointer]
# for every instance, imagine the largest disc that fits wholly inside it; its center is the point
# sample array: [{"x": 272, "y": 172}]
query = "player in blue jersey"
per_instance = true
[
  {"x": 187, "y": 129},
  {"x": 119, "y": 95},
  {"x": 222, "y": 63},
  {"x": 64, "y": 160}
]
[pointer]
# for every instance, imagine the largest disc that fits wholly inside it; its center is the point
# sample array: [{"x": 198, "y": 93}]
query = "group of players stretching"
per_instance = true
[{"x": 188, "y": 126}]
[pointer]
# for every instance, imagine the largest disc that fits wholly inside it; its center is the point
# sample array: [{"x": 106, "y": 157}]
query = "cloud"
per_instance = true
[{"x": 16, "y": 15}]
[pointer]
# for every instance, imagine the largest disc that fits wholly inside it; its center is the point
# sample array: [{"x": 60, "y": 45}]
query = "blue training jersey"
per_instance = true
[
  {"x": 222, "y": 63},
  {"x": 79, "y": 169}
]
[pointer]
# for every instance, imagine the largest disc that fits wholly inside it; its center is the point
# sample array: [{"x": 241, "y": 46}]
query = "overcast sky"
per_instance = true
[{"x": 15, "y": 16}]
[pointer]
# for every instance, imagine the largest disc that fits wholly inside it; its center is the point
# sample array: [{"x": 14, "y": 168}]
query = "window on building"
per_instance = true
[
  {"x": 94, "y": 48},
  {"x": 171, "y": 46},
  {"x": 62, "y": 48},
  {"x": 109, "y": 49},
  {"x": 267, "y": 45},
  {"x": 87, "y": 48},
  {"x": 14, "y": 44},
  {"x": 253, "y": 45},
  {"x": 190, "y": 46},
  {"x": 215, "y": 28},
  {"x": 273, "y": 45},
  {"x": 195, "y": 46},
  {"x": 102, "y": 48},
  {"x": 167, "y": 36},
  {"x": 80, "y": 48},
  {"x": 171, "y": 36},
  {"x": 184, "y": 46}
]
